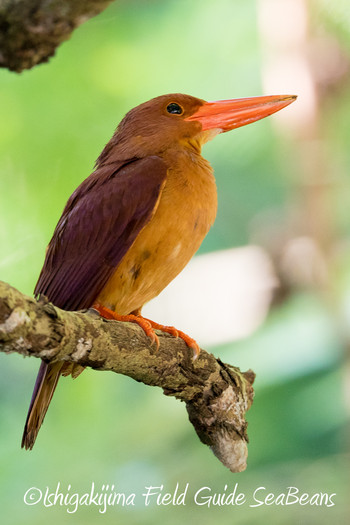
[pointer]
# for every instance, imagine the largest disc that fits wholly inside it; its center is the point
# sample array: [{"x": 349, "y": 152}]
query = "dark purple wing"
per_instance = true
[{"x": 100, "y": 222}]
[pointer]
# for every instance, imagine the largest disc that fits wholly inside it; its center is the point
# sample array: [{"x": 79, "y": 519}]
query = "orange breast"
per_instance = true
[{"x": 186, "y": 211}]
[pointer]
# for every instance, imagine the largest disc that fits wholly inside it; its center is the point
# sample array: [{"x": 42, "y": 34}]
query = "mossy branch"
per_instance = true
[{"x": 217, "y": 395}]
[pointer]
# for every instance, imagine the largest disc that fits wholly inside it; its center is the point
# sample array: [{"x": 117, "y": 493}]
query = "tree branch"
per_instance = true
[
  {"x": 217, "y": 395},
  {"x": 30, "y": 30}
]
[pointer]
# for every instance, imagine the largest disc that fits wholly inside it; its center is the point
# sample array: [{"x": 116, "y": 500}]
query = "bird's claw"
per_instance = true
[
  {"x": 143, "y": 323},
  {"x": 191, "y": 343},
  {"x": 148, "y": 327}
]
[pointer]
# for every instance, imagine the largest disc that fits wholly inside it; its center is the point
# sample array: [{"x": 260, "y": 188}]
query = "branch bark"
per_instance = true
[
  {"x": 31, "y": 30},
  {"x": 216, "y": 394}
]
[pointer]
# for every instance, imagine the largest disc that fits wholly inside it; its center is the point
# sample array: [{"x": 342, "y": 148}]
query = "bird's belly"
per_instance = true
[{"x": 161, "y": 250}]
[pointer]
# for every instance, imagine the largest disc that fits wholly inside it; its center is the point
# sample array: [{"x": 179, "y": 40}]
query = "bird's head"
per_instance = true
[{"x": 182, "y": 120}]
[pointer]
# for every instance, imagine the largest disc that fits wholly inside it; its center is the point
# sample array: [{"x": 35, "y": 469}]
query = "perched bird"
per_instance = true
[{"x": 137, "y": 220}]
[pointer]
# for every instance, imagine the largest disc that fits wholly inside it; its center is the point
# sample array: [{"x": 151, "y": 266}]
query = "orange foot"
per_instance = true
[
  {"x": 148, "y": 327},
  {"x": 191, "y": 343}
]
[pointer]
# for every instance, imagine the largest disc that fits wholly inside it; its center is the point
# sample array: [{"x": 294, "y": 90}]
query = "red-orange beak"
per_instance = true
[{"x": 230, "y": 114}]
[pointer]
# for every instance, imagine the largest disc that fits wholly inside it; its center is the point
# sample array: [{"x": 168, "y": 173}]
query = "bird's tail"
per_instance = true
[{"x": 44, "y": 388}]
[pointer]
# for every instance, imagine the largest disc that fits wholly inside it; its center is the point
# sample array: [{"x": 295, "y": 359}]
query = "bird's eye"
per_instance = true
[{"x": 174, "y": 108}]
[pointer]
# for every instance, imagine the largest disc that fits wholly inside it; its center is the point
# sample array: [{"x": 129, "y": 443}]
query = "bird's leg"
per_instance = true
[{"x": 147, "y": 326}]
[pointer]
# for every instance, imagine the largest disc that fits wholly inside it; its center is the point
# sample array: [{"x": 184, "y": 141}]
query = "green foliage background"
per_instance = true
[{"x": 107, "y": 429}]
